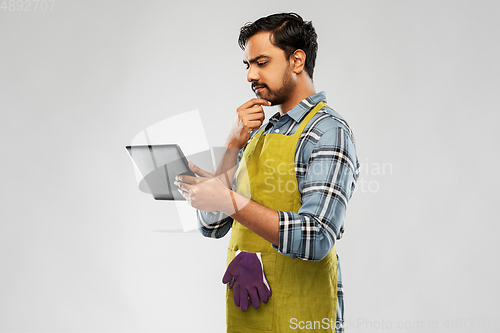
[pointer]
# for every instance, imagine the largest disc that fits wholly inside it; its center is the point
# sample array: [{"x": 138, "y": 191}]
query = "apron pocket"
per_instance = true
[{"x": 261, "y": 318}]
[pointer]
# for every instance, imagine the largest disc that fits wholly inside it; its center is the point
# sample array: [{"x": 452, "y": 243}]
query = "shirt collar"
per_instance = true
[{"x": 300, "y": 110}]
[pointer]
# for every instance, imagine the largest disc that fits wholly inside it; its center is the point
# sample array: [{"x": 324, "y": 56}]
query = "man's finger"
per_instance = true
[
  {"x": 186, "y": 195},
  {"x": 185, "y": 179},
  {"x": 184, "y": 187},
  {"x": 255, "y": 101},
  {"x": 256, "y": 109},
  {"x": 199, "y": 171},
  {"x": 254, "y": 124},
  {"x": 254, "y": 115}
]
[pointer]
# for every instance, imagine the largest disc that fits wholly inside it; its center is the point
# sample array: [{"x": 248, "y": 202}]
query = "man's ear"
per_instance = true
[{"x": 298, "y": 60}]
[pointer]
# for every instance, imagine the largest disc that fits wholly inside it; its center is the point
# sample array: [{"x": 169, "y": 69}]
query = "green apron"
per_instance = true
[{"x": 302, "y": 290}]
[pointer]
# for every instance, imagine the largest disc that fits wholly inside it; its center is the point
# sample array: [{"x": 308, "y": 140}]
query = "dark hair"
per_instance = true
[{"x": 289, "y": 32}]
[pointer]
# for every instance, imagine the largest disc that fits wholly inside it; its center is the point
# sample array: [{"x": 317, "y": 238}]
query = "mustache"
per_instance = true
[{"x": 256, "y": 86}]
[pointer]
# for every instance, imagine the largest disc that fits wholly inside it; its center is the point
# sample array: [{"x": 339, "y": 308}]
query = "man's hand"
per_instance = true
[
  {"x": 207, "y": 192},
  {"x": 249, "y": 117}
]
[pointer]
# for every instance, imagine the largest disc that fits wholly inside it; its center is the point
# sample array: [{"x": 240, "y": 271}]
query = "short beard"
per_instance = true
[{"x": 282, "y": 94}]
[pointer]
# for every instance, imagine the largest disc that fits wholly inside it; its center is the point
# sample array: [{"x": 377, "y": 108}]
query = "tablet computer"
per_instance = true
[{"x": 158, "y": 166}]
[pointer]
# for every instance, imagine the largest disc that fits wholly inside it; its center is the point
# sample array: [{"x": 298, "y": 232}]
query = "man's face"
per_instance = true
[{"x": 268, "y": 69}]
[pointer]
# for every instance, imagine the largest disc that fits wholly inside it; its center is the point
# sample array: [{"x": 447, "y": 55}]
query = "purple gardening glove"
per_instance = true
[{"x": 246, "y": 273}]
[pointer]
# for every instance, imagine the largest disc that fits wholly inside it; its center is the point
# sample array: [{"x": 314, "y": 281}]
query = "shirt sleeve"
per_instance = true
[
  {"x": 217, "y": 224},
  {"x": 329, "y": 182},
  {"x": 213, "y": 224}
]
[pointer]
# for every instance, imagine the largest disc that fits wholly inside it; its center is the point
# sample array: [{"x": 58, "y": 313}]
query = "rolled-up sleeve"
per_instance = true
[
  {"x": 213, "y": 224},
  {"x": 327, "y": 186},
  {"x": 217, "y": 224}
]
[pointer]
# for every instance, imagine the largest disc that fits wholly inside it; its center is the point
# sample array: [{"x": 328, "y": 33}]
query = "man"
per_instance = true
[{"x": 282, "y": 188}]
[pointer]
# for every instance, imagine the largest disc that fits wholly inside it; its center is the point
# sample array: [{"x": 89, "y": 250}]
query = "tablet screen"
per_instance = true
[{"x": 158, "y": 166}]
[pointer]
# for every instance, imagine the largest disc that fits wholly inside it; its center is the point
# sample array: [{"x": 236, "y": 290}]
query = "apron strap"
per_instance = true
[{"x": 308, "y": 117}]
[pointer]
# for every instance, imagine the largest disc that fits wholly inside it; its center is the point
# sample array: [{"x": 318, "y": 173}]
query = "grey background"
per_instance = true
[{"x": 83, "y": 250}]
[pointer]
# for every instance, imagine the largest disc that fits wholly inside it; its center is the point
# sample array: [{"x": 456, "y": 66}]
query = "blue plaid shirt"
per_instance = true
[{"x": 327, "y": 168}]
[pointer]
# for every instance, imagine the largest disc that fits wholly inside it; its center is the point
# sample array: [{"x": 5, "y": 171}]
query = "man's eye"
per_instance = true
[{"x": 262, "y": 63}]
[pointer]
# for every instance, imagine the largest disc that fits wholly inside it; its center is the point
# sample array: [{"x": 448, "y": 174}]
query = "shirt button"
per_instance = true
[{"x": 277, "y": 130}]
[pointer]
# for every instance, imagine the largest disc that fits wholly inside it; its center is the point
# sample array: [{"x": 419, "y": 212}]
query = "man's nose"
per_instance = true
[{"x": 252, "y": 74}]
